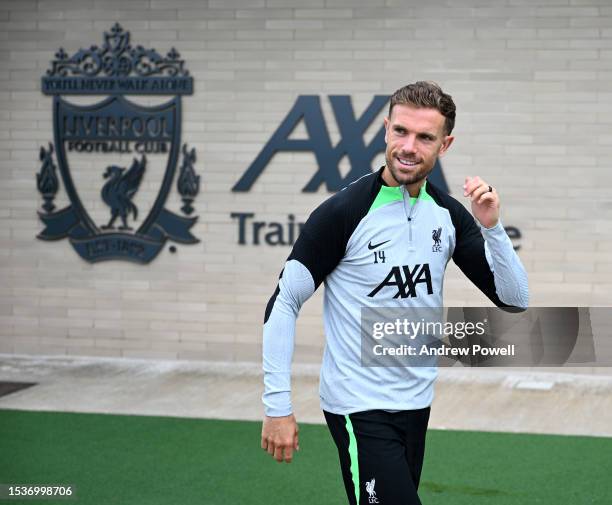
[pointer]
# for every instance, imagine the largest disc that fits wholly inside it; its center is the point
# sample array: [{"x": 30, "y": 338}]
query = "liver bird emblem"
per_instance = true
[
  {"x": 435, "y": 235},
  {"x": 121, "y": 187},
  {"x": 370, "y": 489}
]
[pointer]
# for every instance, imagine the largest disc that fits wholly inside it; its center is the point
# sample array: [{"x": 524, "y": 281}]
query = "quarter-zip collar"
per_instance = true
[{"x": 411, "y": 205}]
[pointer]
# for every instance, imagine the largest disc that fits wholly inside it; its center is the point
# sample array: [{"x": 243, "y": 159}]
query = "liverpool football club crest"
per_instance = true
[{"x": 117, "y": 158}]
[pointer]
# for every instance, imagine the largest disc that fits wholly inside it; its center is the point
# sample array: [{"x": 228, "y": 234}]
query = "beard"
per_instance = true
[{"x": 408, "y": 175}]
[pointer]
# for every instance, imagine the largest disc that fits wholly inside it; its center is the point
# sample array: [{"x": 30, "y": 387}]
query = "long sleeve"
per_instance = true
[
  {"x": 295, "y": 286},
  {"x": 509, "y": 273},
  {"x": 319, "y": 248},
  {"x": 487, "y": 258},
  {"x": 315, "y": 254}
]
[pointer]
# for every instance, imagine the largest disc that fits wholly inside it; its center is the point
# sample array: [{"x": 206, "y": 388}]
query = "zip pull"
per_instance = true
[{"x": 409, "y": 218}]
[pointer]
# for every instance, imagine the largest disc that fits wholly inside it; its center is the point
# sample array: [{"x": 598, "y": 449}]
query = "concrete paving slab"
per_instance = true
[{"x": 560, "y": 401}]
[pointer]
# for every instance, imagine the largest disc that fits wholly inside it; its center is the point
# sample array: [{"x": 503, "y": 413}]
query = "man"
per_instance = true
[{"x": 381, "y": 226}]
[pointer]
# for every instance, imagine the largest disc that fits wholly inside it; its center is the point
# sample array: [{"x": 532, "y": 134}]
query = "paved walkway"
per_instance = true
[{"x": 562, "y": 401}]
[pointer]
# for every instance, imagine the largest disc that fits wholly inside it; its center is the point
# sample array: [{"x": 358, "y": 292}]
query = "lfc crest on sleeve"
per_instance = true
[{"x": 121, "y": 154}]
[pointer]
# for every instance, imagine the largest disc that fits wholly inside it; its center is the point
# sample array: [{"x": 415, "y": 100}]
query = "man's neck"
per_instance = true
[{"x": 413, "y": 189}]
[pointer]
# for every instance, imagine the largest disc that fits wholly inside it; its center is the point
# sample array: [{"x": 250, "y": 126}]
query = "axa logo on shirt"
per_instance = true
[{"x": 405, "y": 280}]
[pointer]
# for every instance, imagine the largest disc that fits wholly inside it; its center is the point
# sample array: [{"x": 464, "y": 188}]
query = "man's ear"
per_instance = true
[
  {"x": 386, "y": 121},
  {"x": 448, "y": 140}
]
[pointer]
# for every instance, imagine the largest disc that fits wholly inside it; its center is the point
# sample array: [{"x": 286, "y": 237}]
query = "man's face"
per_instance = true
[{"x": 415, "y": 138}]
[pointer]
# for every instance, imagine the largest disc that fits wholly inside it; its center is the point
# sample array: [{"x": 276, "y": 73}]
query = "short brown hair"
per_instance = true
[{"x": 426, "y": 94}]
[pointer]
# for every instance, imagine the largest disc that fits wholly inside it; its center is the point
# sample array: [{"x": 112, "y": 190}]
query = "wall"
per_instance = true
[{"x": 532, "y": 81}]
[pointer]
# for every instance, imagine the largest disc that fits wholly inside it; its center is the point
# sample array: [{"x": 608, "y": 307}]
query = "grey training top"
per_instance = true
[{"x": 374, "y": 245}]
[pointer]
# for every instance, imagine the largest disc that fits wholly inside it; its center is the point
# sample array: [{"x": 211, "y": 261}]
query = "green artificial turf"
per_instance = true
[{"x": 132, "y": 460}]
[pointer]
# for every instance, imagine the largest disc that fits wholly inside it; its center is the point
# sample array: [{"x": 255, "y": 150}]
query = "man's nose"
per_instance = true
[{"x": 409, "y": 144}]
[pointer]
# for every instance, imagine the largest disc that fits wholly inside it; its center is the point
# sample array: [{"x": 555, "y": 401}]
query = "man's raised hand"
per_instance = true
[{"x": 485, "y": 201}]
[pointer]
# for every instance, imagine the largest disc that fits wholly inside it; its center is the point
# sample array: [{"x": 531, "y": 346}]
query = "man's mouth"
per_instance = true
[{"x": 407, "y": 162}]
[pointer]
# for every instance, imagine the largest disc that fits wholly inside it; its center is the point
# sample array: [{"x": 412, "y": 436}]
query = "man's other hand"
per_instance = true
[
  {"x": 485, "y": 201},
  {"x": 279, "y": 436}
]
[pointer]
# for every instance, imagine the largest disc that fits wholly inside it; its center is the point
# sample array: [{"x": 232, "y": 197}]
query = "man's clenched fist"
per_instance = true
[{"x": 279, "y": 436}]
